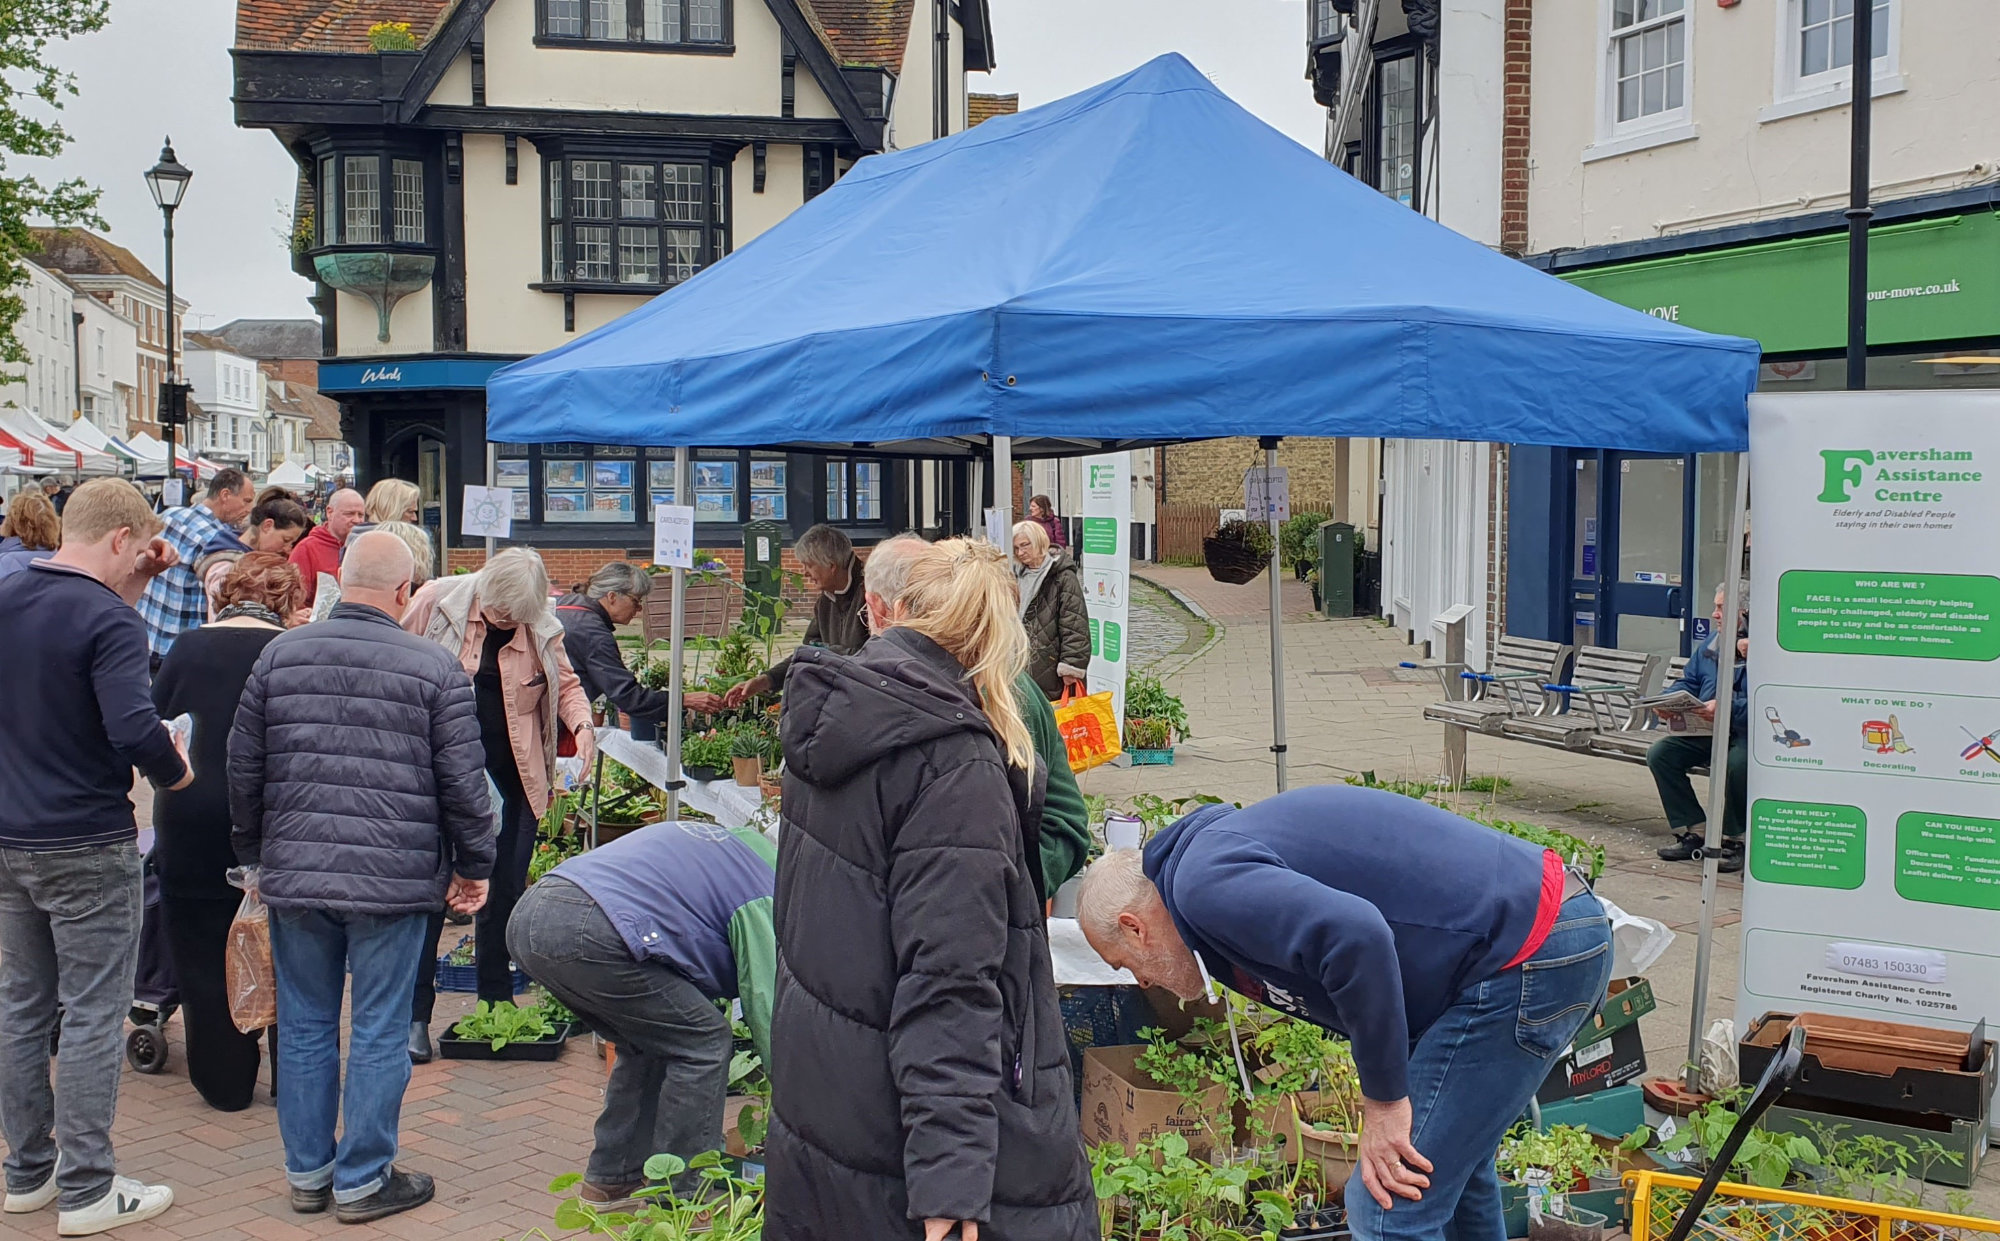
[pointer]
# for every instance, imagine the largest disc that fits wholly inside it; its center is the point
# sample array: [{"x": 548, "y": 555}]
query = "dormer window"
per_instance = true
[{"x": 639, "y": 25}]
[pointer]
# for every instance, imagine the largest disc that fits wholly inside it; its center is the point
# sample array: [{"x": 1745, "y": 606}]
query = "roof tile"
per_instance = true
[
  {"x": 866, "y": 32},
  {"x": 980, "y": 107},
  {"x": 330, "y": 25}
]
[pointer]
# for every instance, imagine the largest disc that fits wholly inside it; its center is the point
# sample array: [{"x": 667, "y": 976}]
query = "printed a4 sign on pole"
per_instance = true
[{"x": 1107, "y": 564}]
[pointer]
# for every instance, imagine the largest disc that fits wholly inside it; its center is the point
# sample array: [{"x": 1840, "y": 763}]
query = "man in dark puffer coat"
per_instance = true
[
  {"x": 919, "y": 1065},
  {"x": 357, "y": 781}
]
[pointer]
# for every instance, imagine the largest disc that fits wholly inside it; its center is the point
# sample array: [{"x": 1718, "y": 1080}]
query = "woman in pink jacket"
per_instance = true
[{"x": 499, "y": 623}]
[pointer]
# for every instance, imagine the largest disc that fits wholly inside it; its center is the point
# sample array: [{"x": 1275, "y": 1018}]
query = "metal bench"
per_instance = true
[
  {"x": 1514, "y": 684},
  {"x": 1601, "y": 696}
]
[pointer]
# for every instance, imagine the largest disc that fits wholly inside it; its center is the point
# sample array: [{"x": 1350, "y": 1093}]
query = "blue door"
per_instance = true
[{"x": 1632, "y": 550}]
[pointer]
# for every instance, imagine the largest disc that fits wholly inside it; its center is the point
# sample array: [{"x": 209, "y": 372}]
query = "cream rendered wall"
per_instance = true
[
  {"x": 784, "y": 190},
  {"x": 808, "y": 99},
  {"x": 910, "y": 112},
  {"x": 455, "y": 88},
  {"x": 503, "y": 252},
  {"x": 1932, "y": 124},
  {"x": 409, "y": 325},
  {"x": 1471, "y": 47},
  {"x": 747, "y": 83}
]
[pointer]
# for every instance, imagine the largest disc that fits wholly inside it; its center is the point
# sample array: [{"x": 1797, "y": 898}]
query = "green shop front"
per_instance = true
[{"x": 1626, "y": 549}]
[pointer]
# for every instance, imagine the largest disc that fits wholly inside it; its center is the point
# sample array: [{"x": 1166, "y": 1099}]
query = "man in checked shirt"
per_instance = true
[{"x": 174, "y": 601}]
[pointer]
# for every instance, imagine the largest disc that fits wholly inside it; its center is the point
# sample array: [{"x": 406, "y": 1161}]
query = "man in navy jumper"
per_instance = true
[
  {"x": 1459, "y": 960},
  {"x": 82, "y": 718}
]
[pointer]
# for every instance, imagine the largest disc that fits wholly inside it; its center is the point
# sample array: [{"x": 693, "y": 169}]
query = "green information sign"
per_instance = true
[
  {"x": 1922, "y": 616},
  {"x": 1096, "y": 643},
  {"x": 1948, "y": 859},
  {"x": 1809, "y": 844},
  {"x": 1100, "y": 536},
  {"x": 1113, "y": 641}
]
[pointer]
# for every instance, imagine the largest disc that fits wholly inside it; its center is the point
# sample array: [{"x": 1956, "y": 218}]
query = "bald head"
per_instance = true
[
  {"x": 344, "y": 511},
  {"x": 376, "y": 571}
]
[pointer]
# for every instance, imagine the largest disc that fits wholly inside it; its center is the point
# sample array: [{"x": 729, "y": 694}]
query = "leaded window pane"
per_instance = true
[
  {"x": 680, "y": 253},
  {"x": 593, "y": 252},
  {"x": 409, "y": 190},
  {"x": 638, "y": 255},
  {"x": 329, "y": 203},
  {"x": 607, "y": 19},
  {"x": 704, "y": 18},
  {"x": 361, "y": 213},
  {"x": 663, "y": 21},
  {"x": 681, "y": 193},
  {"x": 590, "y": 189},
  {"x": 557, "y": 272},
  {"x": 635, "y": 191},
  {"x": 563, "y": 18}
]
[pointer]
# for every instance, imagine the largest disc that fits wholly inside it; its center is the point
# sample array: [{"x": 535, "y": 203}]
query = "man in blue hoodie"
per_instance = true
[
  {"x": 1459, "y": 960},
  {"x": 1675, "y": 754}
]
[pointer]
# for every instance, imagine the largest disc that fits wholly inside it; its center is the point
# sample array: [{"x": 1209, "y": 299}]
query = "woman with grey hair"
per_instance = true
[
  {"x": 499, "y": 623},
  {"x": 840, "y": 614},
  {"x": 614, "y": 596}
]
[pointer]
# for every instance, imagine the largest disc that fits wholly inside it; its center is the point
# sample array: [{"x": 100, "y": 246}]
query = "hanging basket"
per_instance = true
[{"x": 1230, "y": 561}]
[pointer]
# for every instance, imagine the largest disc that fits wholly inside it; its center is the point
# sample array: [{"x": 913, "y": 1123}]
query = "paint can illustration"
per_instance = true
[{"x": 1875, "y": 736}]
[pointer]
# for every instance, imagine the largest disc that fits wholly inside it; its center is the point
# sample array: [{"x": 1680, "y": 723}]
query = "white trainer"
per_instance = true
[
  {"x": 34, "y": 1199},
  {"x": 128, "y": 1202}
]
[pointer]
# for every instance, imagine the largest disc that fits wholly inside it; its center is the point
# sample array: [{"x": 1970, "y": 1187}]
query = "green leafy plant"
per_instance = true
[
  {"x": 1154, "y": 713},
  {"x": 706, "y": 749},
  {"x": 1573, "y": 850},
  {"x": 558, "y": 1013},
  {"x": 304, "y": 233},
  {"x": 1566, "y": 1153},
  {"x": 748, "y": 743},
  {"x": 1765, "y": 1159},
  {"x": 1872, "y": 1168},
  {"x": 1159, "y": 1190},
  {"x": 1298, "y": 539},
  {"x": 392, "y": 37},
  {"x": 627, "y": 798},
  {"x": 722, "y": 1206},
  {"x": 1254, "y": 537},
  {"x": 500, "y": 1024}
]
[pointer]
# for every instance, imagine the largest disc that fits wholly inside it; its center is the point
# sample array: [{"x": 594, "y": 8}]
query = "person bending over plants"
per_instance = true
[{"x": 1459, "y": 961}]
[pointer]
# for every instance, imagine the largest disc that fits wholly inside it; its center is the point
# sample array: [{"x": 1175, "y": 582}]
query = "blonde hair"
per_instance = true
[
  {"x": 32, "y": 519},
  {"x": 104, "y": 506},
  {"x": 389, "y": 499},
  {"x": 514, "y": 585},
  {"x": 418, "y": 540},
  {"x": 961, "y": 595},
  {"x": 1036, "y": 534}
]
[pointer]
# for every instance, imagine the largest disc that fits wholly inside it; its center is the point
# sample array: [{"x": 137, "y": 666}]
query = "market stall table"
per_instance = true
[{"x": 729, "y": 803}]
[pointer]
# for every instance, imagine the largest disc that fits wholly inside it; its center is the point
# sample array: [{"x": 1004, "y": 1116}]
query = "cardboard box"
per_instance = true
[
  {"x": 1123, "y": 1104},
  {"x": 1625, "y": 1001},
  {"x": 1598, "y": 1066},
  {"x": 1964, "y": 1138},
  {"x": 1964, "y": 1092}
]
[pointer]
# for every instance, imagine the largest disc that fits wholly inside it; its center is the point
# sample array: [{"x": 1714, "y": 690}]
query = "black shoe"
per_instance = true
[
  {"x": 1686, "y": 848},
  {"x": 420, "y": 1043},
  {"x": 1729, "y": 858},
  {"x": 401, "y": 1191},
  {"x": 312, "y": 1201},
  {"x": 456, "y": 918}
]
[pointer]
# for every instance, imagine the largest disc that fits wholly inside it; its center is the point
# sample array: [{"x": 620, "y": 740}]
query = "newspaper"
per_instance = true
[{"x": 1677, "y": 711}]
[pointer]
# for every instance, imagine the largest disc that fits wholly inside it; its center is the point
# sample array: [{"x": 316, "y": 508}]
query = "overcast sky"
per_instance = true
[{"x": 162, "y": 66}]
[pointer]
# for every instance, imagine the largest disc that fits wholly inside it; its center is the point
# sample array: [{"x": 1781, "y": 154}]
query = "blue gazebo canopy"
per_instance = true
[{"x": 1142, "y": 261}]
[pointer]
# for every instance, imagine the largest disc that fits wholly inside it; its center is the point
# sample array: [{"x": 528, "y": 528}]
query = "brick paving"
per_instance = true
[{"x": 494, "y": 1134}]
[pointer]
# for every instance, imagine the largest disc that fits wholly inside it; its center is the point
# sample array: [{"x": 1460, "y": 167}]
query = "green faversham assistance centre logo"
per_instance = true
[{"x": 1894, "y": 476}]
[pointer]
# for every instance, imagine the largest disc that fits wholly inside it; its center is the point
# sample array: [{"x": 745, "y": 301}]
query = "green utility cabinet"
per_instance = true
[
  {"x": 1336, "y": 568},
  {"x": 763, "y": 573}
]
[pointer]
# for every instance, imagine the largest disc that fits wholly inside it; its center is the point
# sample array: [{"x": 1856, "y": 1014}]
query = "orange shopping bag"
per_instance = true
[{"x": 1089, "y": 729}]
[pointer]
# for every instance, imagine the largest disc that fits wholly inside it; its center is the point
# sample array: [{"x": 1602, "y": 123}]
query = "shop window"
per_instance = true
[
  {"x": 513, "y": 470},
  {"x": 649, "y": 25},
  {"x": 853, "y": 491},
  {"x": 647, "y": 225},
  {"x": 588, "y": 483},
  {"x": 1646, "y": 82},
  {"x": 1817, "y": 42},
  {"x": 768, "y": 475},
  {"x": 715, "y": 481}
]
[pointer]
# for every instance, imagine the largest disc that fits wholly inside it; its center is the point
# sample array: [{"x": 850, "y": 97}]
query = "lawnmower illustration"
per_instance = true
[{"x": 1780, "y": 735}]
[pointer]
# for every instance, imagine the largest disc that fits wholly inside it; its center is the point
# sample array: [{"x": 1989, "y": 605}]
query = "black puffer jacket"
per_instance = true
[
  {"x": 919, "y": 1067},
  {"x": 1058, "y": 625},
  {"x": 592, "y": 645},
  {"x": 356, "y": 776}
]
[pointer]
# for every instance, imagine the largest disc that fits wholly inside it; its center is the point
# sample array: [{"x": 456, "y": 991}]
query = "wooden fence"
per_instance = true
[{"x": 1182, "y": 527}]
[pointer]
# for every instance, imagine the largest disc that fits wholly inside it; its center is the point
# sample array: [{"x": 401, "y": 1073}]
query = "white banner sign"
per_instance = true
[
  {"x": 1107, "y": 566},
  {"x": 488, "y": 513},
  {"x": 1874, "y": 878},
  {"x": 673, "y": 535}
]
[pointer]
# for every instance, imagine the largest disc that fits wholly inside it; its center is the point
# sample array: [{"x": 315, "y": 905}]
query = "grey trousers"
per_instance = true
[
  {"x": 667, "y": 1086},
  {"x": 69, "y": 932}
]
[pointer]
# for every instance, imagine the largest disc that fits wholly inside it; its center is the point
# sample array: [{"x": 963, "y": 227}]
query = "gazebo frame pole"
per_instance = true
[
  {"x": 492, "y": 470},
  {"x": 1270, "y": 446},
  {"x": 1003, "y": 490},
  {"x": 1718, "y": 761},
  {"x": 676, "y": 647}
]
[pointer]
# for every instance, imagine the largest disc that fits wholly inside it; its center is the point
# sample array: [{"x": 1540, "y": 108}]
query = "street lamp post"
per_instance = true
[{"x": 168, "y": 180}]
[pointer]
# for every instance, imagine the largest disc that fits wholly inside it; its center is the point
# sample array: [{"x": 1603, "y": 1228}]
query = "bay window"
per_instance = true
[
  {"x": 368, "y": 198},
  {"x": 646, "y": 224}
]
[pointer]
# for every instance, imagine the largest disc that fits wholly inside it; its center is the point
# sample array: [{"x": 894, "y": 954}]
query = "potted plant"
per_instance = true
[
  {"x": 1238, "y": 551},
  {"x": 622, "y": 802},
  {"x": 705, "y": 756},
  {"x": 727, "y": 1206},
  {"x": 1298, "y": 542},
  {"x": 504, "y": 1031},
  {"x": 654, "y": 673},
  {"x": 746, "y": 755},
  {"x": 1154, "y": 718}
]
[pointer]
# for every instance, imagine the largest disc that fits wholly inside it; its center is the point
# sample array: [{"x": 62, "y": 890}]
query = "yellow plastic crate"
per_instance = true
[{"x": 1747, "y": 1213}]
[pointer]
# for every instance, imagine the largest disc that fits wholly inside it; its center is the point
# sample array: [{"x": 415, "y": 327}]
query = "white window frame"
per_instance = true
[
  {"x": 1794, "y": 94},
  {"x": 1671, "y": 125}
]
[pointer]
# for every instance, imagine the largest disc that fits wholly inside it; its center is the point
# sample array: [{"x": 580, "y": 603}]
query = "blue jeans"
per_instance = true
[
  {"x": 1473, "y": 1072},
  {"x": 314, "y": 951}
]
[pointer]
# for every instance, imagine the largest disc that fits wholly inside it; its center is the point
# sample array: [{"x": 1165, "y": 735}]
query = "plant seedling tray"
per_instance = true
[
  {"x": 1964, "y": 1138},
  {"x": 1611, "y": 1203},
  {"x": 1609, "y": 1113},
  {"x": 452, "y": 977},
  {"x": 451, "y": 1047},
  {"x": 1157, "y": 758},
  {"x": 707, "y": 775}
]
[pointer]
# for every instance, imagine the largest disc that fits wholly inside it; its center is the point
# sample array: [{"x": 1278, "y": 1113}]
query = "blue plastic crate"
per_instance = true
[
  {"x": 1147, "y": 758},
  {"x": 466, "y": 977}
]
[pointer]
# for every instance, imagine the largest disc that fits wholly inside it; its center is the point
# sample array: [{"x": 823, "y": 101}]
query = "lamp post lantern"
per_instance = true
[{"x": 168, "y": 180}]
